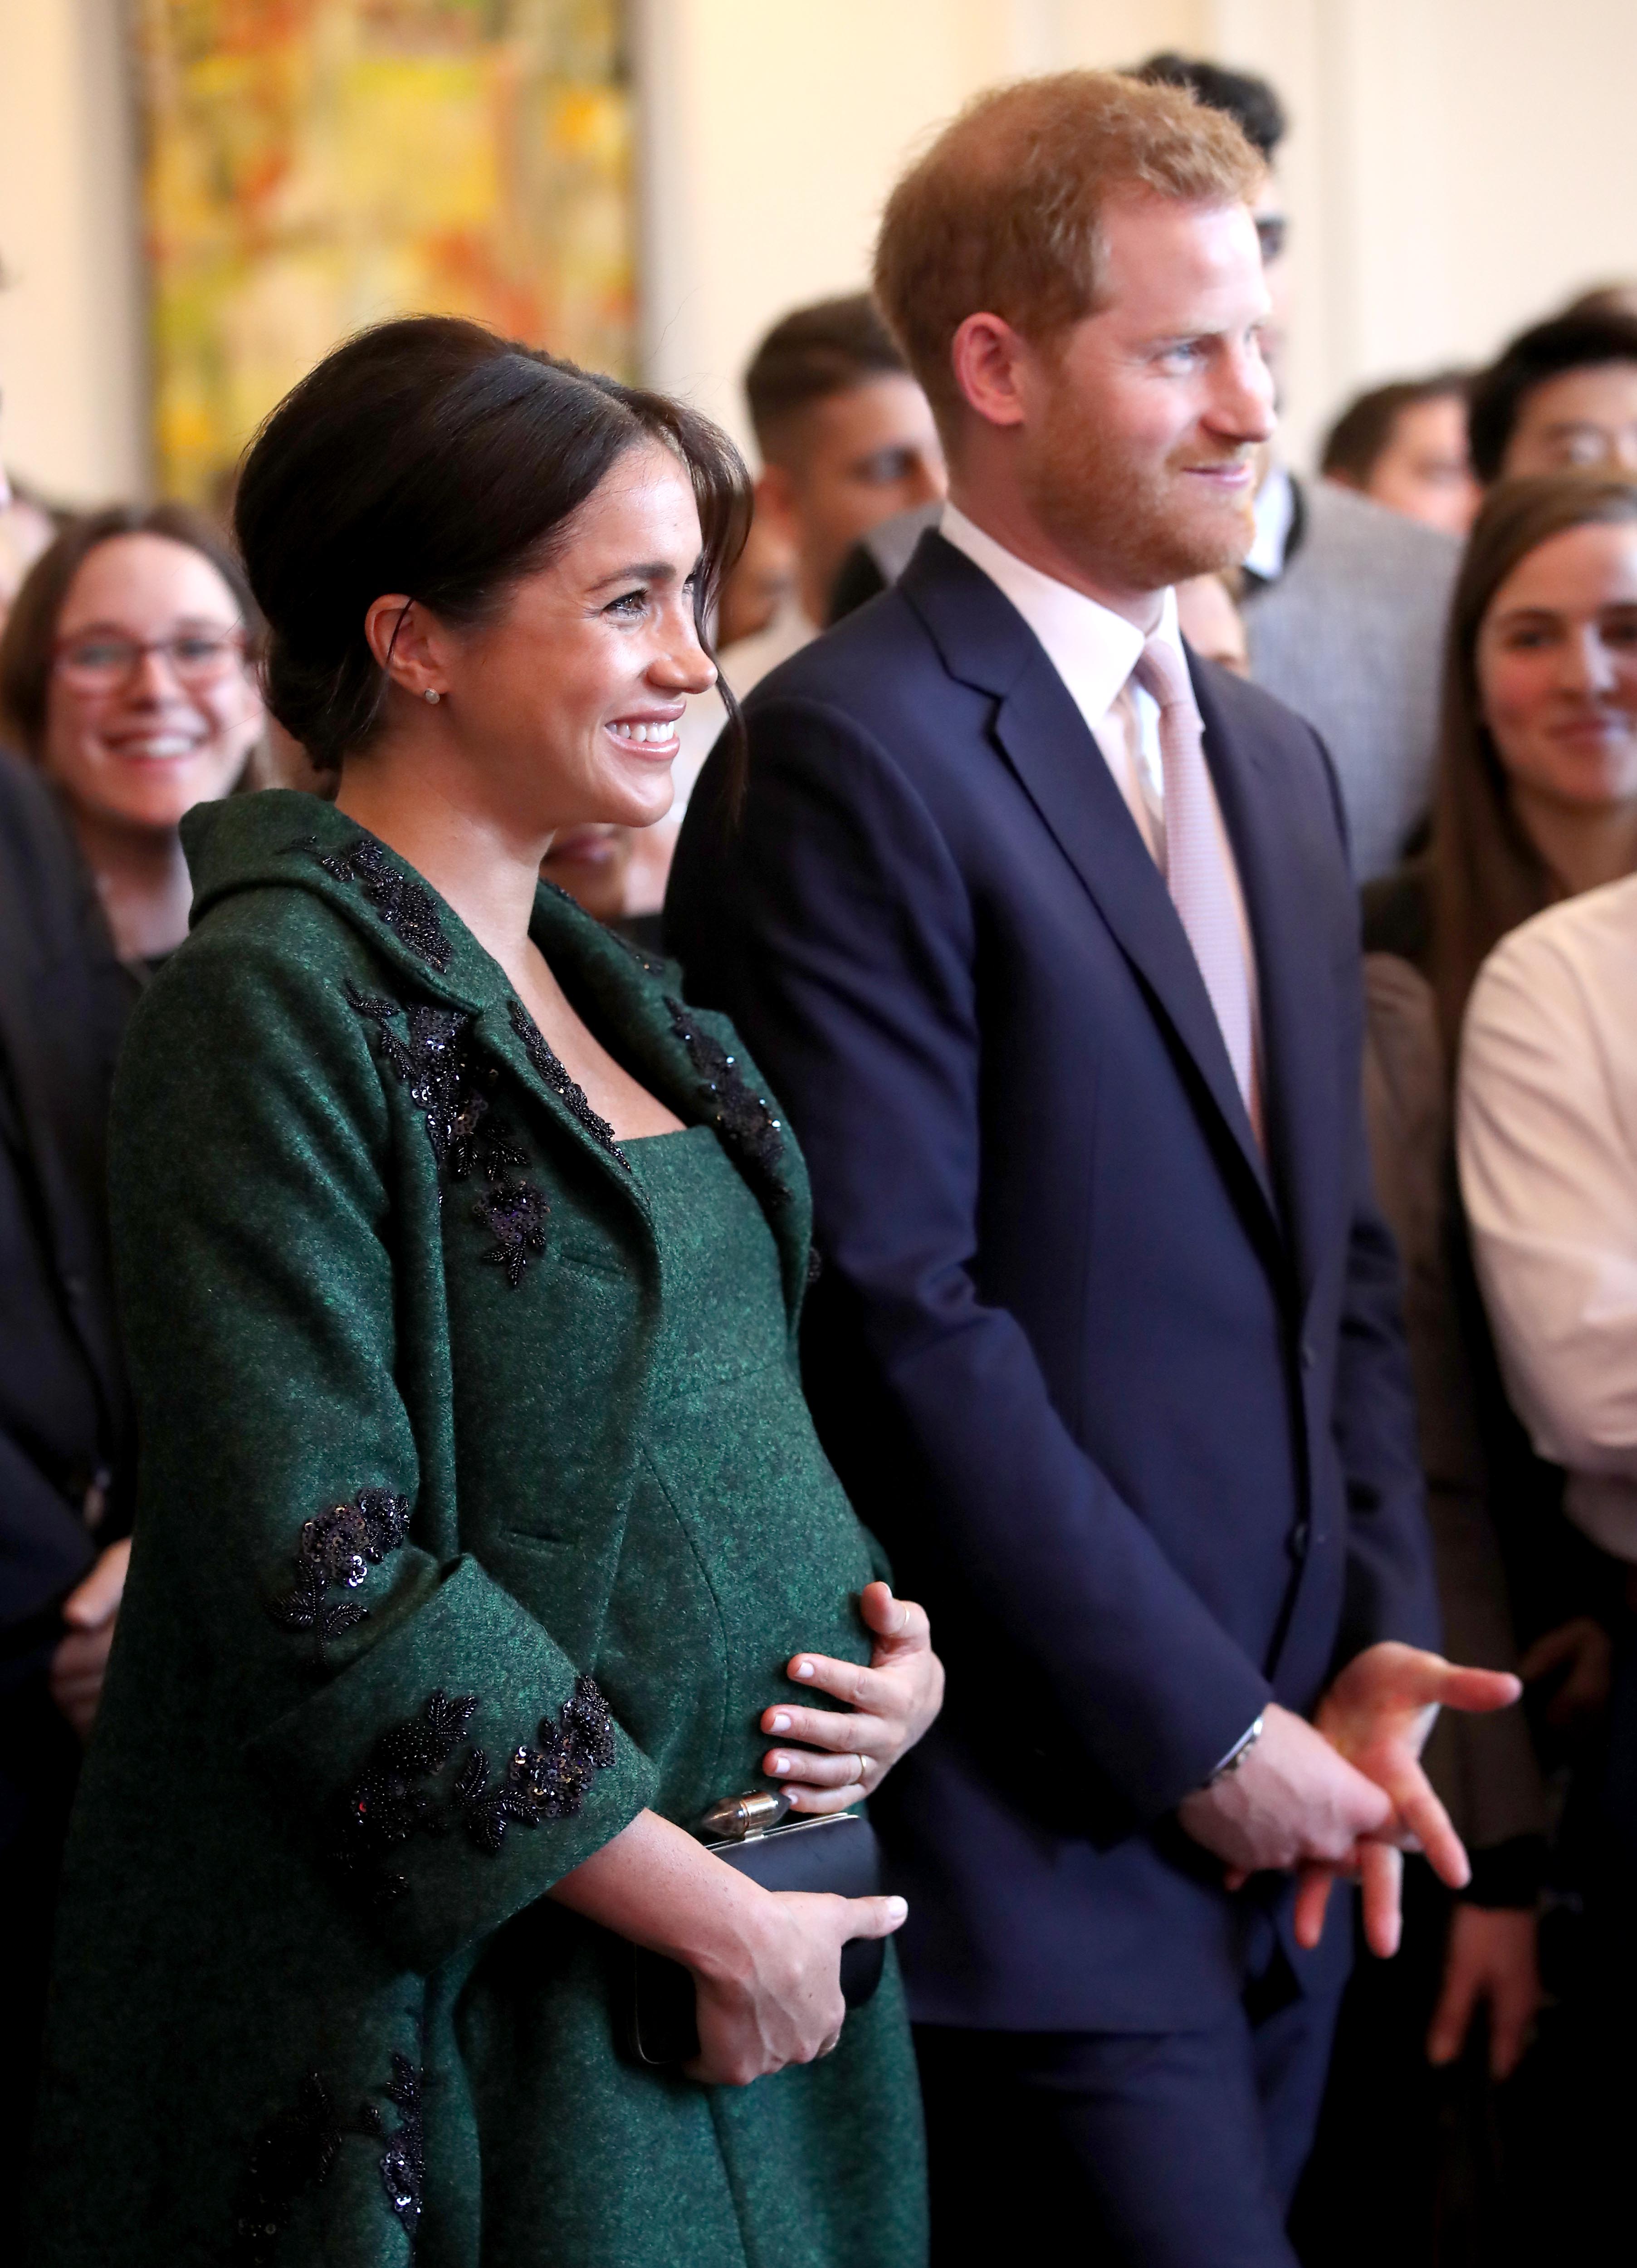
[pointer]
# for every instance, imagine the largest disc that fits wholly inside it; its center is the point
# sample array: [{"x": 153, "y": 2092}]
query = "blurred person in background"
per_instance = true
[
  {"x": 1344, "y": 600},
  {"x": 762, "y": 578},
  {"x": 1604, "y": 299},
  {"x": 1548, "y": 1133},
  {"x": 1405, "y": 445},
  {"x": 846, "y": 440},
  {"x": 1208, "y": 616},
  {"x": 126, "y": 676},
  {"x": 1536, "y": 801},
  {"x": 1561, "y": 396},
  {"x": 118, "y": 722}
]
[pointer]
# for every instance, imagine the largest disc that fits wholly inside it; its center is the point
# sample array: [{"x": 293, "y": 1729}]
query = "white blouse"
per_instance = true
[{"x": 1548, "y": 1143}]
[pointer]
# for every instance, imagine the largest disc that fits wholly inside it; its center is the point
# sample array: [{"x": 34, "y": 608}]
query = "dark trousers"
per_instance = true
[{"x": 1161, "y": 2150}]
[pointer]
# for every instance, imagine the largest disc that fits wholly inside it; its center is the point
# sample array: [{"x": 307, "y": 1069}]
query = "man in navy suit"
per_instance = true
[{"x": 1043, "y": 931}]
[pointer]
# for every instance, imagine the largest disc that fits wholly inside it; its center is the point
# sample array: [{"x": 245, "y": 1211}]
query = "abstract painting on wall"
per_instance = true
[{"x": 313, "y": 166}]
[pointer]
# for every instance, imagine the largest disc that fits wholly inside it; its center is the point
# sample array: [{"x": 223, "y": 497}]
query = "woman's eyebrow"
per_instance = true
[{"x": 649, "y": 570}]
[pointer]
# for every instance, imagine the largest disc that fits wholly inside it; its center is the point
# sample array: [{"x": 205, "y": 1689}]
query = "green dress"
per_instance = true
[{"x": 479, "y": 1509}]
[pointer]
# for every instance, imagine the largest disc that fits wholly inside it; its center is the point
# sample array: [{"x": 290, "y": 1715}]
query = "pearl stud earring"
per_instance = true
[{"x": 431, "y": 696}]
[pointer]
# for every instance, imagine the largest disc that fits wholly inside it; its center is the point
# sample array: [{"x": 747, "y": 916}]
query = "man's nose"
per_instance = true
[{"x": 1243, "y": 406}]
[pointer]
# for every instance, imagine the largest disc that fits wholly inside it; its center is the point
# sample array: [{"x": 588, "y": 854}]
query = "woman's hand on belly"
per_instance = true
[
  {"x": 766, "y": 1964},
  {"x": 889, "y": 1706}
]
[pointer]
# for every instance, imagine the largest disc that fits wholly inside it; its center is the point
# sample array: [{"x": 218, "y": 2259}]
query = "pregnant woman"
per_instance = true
[{"x": 482, "y": 1537}]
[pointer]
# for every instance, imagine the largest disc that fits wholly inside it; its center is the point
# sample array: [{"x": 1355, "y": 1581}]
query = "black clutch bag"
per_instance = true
[{"x": 837, "y": 1853}]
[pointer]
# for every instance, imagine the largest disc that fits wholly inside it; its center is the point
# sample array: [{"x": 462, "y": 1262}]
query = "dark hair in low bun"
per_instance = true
[{"x": 432, "y": 457}]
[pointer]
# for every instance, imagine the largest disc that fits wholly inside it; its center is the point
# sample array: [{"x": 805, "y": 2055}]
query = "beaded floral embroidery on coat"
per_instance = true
[
  {"x": 296, "y": 2150},
  {"x": 336, "y": 1549},
  {"x": 551, "y": 1781},
  {"x": 408, "y": 910},
  {"x": 403, "y": 2158},
  {"x": 468, "y": 1140},
  {"x": 744, "y": 1122},
  {"x": 390, "y": 1800},
  {"x": 555, "y": 1072}
]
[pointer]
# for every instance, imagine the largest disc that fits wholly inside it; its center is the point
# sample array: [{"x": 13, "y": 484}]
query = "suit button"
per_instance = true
[
  {"x": 1300, "y": 1539},
  {"x": 1310, "y": 1354},
  {"x": 75, "y": 1287}
]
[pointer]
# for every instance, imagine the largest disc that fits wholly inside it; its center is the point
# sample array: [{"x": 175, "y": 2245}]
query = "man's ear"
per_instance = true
[{"x": 987, "y": 357}]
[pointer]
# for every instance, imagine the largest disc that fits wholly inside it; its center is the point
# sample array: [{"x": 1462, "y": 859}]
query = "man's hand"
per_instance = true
[
  {"x": 1377, "y": 1715},
  {"x": 81, "y": 1657},
  {"x": 1490, "y": 1957},
  {"x": 1293, "y": 1799}
]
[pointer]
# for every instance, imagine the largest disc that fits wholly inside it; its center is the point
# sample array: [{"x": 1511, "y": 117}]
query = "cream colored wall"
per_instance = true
[
  {"x": 1455, "y": 166},
  {"x": 73, "y": 359},
  {"x": 773, "y": 133}
]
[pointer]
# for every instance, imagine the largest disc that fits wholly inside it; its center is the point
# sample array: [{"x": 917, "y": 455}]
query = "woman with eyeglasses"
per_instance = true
[
  {"x": 126, "y": 698},
  {"x": 125, "y": 677}
]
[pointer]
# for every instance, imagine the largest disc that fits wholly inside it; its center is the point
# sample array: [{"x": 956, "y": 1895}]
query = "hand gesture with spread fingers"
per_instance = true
[
  {"x": 1377, "y": 1715},
  {"x": 828, "y": 1759}
]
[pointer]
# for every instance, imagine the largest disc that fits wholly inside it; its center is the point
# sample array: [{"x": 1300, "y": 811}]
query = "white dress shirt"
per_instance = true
[
  {"x": 1548, "y": 1137},
  {"x": 1095, "y": 651}
]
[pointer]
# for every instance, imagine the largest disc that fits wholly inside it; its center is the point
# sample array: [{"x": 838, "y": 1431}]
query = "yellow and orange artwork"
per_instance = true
[{"x": 314, "y": 165}]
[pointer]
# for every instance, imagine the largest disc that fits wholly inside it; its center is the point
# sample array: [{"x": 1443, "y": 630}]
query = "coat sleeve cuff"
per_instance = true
[{"x": 455, "y": 1771}]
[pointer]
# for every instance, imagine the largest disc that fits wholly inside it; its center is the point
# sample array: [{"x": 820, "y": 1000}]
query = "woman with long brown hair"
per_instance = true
[
  {"x": 1524, "y": 811},
  {"x": 125, "y": 697},
  {"x": 1534, "y": 802}
]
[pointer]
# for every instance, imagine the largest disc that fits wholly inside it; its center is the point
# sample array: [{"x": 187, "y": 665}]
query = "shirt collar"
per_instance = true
[{"x": 1093, "y": 650}]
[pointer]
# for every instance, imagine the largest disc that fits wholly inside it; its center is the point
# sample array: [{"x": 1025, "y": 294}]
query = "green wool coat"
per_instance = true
[{"x": 478, "y": 1509}]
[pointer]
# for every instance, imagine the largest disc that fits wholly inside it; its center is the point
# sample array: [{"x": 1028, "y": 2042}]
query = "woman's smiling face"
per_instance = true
[
  {"x": 152, "y": 707},
  {"x": 567, "y": 703},
  {"x": 1557, "y": 668}
]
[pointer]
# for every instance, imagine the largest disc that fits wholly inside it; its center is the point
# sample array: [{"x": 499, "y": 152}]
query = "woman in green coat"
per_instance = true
[{"x": 483, "y": 1539}]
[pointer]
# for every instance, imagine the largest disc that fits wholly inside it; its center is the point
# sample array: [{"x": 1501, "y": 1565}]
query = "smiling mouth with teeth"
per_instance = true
[{"x": 645, "y": 733}]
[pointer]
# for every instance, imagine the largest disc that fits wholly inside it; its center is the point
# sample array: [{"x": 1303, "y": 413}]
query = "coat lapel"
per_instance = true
[
  {"x": 985, "y": 643},
  {"x": 659, "y": 1041}
]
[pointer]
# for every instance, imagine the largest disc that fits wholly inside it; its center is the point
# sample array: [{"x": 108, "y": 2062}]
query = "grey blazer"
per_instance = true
[{"x": 1350, "y": 637}]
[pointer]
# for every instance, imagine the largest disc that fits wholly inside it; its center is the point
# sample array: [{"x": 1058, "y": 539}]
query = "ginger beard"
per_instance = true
[{"x": 1143, "y": 522}]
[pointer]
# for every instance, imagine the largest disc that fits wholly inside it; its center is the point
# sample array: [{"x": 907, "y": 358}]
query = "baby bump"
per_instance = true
[{"x": 742, "y": 1549}]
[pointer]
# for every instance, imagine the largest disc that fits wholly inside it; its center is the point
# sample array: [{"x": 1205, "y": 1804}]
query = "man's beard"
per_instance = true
[{"x": 1126, "y": 523}]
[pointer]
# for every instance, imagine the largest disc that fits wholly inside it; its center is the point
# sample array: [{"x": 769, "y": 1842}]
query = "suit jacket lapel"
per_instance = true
[{"x": 985, "y": 642}]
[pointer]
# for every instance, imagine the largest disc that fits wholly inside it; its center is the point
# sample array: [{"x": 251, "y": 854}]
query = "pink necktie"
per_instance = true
[{"x": 1195, "y": 868}]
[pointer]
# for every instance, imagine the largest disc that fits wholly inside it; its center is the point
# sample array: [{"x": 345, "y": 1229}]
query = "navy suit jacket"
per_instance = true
[{"x": 1126, "y": 1400}]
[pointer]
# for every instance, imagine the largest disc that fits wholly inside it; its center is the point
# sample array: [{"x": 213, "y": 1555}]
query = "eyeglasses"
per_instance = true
[
  {"x": 1272, "y": 234},
  {"x": 102, "y": 661}
]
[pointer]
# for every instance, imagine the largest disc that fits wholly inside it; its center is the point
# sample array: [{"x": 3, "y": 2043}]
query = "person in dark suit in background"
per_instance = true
[
  {"x": 124, "y": 695},
  {"x": 1044, "y": 934}
]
